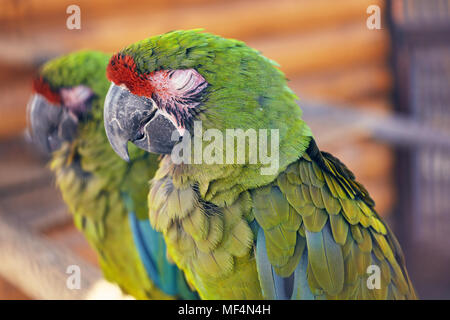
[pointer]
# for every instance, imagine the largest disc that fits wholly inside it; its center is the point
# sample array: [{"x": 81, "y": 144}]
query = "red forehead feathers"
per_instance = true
[
  {"x": 42, "y": 87},
  {"x": 122, "y": 70}
]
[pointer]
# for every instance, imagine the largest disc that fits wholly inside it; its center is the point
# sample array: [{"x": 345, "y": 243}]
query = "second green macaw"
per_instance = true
[
  {"x": 106, "y": 196},
  {"x": 307, "y": 230}
]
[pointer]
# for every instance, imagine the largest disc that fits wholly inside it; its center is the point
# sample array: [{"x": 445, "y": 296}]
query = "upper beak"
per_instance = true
[
  {"x": 50, "y": 124},
  {"x": 129, "y": 117}
]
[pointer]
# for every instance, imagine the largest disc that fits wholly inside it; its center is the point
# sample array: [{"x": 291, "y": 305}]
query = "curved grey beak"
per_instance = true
[
  {"x": 50, "y": 125},
  {"x": 137, "y": 119}
]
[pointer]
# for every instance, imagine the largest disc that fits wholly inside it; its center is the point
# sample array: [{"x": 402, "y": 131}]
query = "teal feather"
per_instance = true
[
  {"x": 327, "y": 262},
  {"x": 152, "y": 251},
  {"x": 301, "y": 289},
  {"x": 272, "y": 285}
]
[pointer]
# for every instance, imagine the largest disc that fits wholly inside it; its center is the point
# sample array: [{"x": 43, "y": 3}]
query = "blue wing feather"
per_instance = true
[
  {"x": 272, "y": 285},
  {"x": 152, "y": 251}
]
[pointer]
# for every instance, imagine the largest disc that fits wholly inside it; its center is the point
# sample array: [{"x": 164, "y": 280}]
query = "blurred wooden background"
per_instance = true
[{"x": 323, "y": 46}]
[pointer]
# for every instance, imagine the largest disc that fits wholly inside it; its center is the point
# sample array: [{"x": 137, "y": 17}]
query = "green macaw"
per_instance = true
[
  {"x": 305, "y": 230},
  {"x": 106, "y": 195}
]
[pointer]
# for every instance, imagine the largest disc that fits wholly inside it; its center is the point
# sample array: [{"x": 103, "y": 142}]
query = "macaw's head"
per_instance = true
[
  {"x": 68, "y": 92},
  {"x": 164, "y": 84}
]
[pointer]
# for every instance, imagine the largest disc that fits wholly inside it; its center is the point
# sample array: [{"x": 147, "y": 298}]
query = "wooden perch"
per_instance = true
[{"x": 38, "y": 267}]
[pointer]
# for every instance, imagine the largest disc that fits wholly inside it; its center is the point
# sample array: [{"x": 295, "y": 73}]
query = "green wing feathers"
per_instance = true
[
  {"x": 311, "y": 234},
  {"x": 319, "y": 222}
]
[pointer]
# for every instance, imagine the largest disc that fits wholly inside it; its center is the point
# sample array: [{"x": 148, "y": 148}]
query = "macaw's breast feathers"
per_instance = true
[{"x": 211, "y": 244}]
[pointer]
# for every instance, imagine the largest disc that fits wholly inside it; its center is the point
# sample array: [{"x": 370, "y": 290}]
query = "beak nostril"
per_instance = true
[
  {"x": 140, "y": 135},
  {"x": 52, "y": 129}
]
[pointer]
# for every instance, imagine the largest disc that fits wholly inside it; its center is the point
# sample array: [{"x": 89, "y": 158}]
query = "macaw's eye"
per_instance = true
[
  {"x": 178, "y": 92},
  {"x": 77, "y": 99},
  {"x": 181, "y": 86},
  {"x": 187, "y": 82}
]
